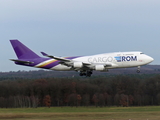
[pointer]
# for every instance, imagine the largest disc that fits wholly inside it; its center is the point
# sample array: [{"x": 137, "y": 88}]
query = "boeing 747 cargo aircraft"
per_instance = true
[{"x": 85, "y": 65}]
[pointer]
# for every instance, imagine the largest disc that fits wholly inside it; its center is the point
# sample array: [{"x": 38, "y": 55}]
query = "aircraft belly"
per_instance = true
[
  {"x": 61, "y": 68},
  {"x": 130, "y": 64}
]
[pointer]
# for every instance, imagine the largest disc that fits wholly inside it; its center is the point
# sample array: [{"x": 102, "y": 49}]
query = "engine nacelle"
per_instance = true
[
  {"x": 77, "y": 64},
  {"x": 99, "y": 67}
]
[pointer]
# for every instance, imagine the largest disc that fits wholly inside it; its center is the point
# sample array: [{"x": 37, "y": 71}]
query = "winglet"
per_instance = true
[{"x": 44, "y": 54}]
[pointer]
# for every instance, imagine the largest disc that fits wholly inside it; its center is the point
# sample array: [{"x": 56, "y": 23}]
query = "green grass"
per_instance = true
[
  {"x": 80, "y": 109},
  {"x": 82, "y": 113}
]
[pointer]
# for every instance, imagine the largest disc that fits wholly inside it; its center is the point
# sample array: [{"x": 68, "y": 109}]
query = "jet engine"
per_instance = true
[
  {"x": 99, "y": 67},
  {"x": 77, "y": 64}
]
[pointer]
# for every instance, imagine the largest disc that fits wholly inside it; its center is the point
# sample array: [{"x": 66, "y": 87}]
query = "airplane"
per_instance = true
[{"x": 85, "y": 65}]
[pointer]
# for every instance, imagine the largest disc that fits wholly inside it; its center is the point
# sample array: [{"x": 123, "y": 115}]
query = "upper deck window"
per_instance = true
[{"x": 141, "y": 53}]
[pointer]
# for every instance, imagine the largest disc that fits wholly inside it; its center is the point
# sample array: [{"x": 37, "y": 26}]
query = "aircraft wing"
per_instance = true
[
  {"x": 77, "y": 65},
  {"x": 57, "y": 58},
  {"x": 21, "y": 61},
  {"x": 65, "y": 61}
]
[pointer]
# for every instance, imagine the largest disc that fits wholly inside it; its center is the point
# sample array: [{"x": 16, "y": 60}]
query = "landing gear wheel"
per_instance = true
[
  {"x": 85, "y": 73},
  {"x": 89, "y": 73},
  {"x": 138, "y": 71},
  {"x": 82, "y": 74}
]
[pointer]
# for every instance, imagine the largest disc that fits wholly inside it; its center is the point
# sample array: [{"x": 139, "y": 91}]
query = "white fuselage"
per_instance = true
[{"x": 116, "y": 60}]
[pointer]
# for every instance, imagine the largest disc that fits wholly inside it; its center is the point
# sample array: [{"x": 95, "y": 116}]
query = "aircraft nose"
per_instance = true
[{"x": 150, "y": 59}]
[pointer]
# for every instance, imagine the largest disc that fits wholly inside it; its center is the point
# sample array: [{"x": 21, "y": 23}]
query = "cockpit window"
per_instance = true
[{"x": 141, "y": 53}]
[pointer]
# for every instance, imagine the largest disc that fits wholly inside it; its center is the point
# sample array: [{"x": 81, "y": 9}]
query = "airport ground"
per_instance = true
[{"x": 82, "y": 113}]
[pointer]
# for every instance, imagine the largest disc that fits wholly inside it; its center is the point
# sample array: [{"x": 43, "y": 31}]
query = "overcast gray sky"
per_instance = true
[{"x": 79, "y": 27}]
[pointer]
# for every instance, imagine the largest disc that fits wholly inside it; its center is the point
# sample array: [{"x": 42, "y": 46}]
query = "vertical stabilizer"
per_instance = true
[{"x": 22, "y": 51}]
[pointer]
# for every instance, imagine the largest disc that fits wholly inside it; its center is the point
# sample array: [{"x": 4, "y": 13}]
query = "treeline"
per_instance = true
[
  {"x": 116, "y": 90},
  {"x": 38, "y": 74}
]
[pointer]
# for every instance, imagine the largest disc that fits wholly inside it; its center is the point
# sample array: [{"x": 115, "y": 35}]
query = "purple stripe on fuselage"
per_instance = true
[
  {"x": 40, "y": 60},
  {"x": 55, "y": 63}
]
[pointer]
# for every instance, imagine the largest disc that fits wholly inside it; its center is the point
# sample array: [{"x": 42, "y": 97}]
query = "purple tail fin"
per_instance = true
[{"x": 22, "y": 51}]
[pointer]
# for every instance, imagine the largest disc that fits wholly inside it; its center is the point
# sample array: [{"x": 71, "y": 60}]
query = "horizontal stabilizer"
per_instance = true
[{"x": 21, "y": 61}]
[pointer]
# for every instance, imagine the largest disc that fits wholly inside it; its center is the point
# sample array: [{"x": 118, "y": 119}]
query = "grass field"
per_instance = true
[{"x": 82, "y": 113}]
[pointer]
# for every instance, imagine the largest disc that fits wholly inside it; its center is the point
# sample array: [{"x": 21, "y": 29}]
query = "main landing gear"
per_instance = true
[
  {"x": 85, "y": 73},
  {"x": 138, "y": 69}
]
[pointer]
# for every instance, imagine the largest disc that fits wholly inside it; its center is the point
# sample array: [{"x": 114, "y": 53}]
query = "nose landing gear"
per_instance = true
[{"x": 138, "y": 69}]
